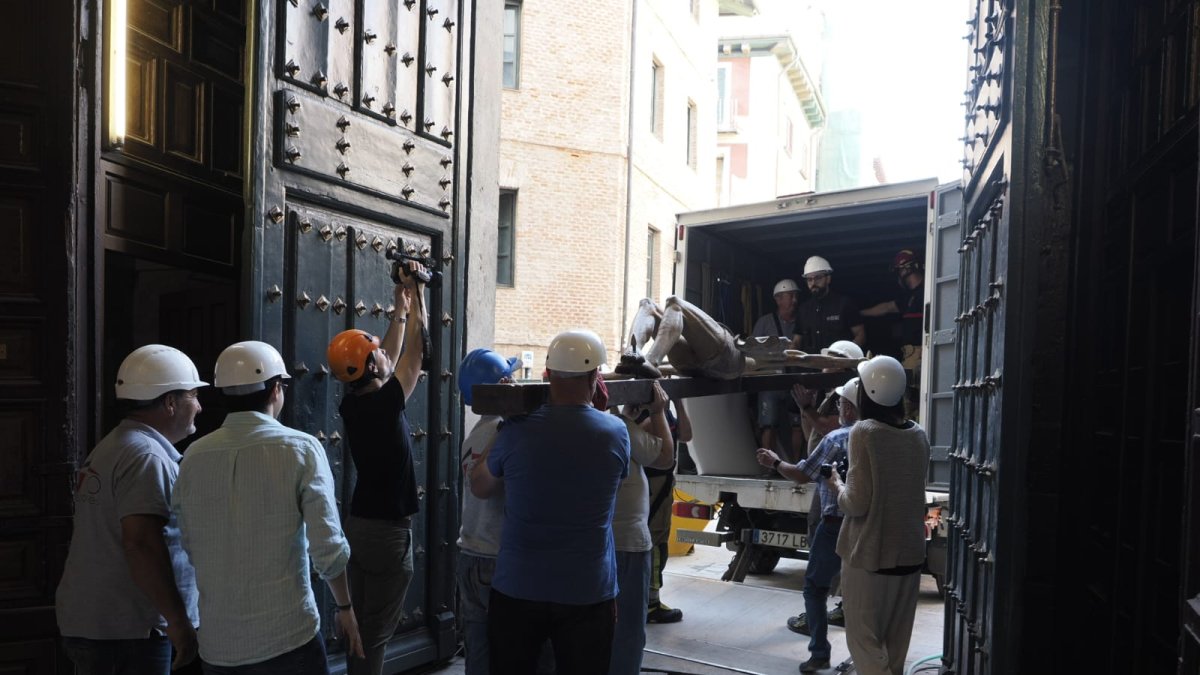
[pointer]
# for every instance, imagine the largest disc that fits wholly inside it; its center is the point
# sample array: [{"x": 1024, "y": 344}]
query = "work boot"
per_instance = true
[
  {"x": 636, "y": 365},
  {"x": 799, "y": 624},
  {"x": 837, "y": 617},
  {"x": 813, "y": 664},
  {"x": 663, "y": 614}
]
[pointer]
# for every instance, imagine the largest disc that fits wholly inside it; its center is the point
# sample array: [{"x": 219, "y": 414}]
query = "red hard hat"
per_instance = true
[{"x": 905, "y": 258}]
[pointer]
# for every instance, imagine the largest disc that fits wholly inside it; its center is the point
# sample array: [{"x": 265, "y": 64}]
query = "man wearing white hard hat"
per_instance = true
[
  {"x": 560, "y": 467},
  {"x": 128, "y": 594},
  {"x": 827, "y": 315},
  {"x": 773, "y": 405},
  {"x": 255, "y": 501},
  {"x": 824, "y": 564}
]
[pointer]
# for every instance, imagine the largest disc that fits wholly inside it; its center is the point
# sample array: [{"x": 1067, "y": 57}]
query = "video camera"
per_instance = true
[
  {"x": 432, "y": 277},
  {"x": 843, "y": 467}
]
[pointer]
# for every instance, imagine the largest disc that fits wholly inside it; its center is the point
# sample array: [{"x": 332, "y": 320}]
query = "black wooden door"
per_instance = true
[
  {"x": 1077, "y": 285},
  {"x": 40, "y": 267},
  {"x": 356, "y": 149},
  {"x": 974, "y": 639},
  {"x": 1133, "y": 294}
]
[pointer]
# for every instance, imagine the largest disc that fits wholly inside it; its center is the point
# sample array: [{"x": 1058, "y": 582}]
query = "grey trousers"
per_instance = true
[
  {"x": 380, "y": 569},
  {"x": 880, "y": 610}
]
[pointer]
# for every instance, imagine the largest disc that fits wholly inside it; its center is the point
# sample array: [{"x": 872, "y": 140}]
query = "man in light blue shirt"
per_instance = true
[
  {"x": 128, "y": 594},
  {"x": 255, "y": 502}
]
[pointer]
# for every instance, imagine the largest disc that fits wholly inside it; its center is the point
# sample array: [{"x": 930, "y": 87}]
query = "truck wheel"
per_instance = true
[{"x": 764, "y": 562}]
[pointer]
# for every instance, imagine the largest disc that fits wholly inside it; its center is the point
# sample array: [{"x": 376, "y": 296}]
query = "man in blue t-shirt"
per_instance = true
[{"x": 560, "y": 467}]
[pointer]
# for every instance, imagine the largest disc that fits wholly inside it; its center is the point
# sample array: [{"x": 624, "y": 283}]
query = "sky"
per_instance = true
[{"x": 902, "y": 64}]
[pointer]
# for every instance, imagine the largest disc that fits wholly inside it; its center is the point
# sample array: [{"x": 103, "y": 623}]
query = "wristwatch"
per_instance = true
[{"x": 775, "y": 466}]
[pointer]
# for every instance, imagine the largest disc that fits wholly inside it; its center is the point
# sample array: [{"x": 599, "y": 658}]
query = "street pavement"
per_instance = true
[{"x": 741, "y": 628}]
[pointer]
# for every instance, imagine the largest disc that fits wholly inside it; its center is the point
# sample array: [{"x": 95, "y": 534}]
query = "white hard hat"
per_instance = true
[
  {"x": 817, "y": 265},
  {"x": 153, "y": 370},
  {"x": 245, "y": 367},
  {"x": 883, "y": 379},
  {"x": 845, "y": 349},
  {"x": 785, "y": 286},
  {"x": 576, "y": 351},
  {"x": 849, "y": 391}
]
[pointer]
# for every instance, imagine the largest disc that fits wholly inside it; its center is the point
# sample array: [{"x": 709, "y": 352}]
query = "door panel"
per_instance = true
[
  {"x": 941, "y": 278},
  {"x": 342, "y": 174},
  {"x": 390, "y": 66},
  {"x": 41, "y": 425},
  {"x": 979, "y": 401},
  {"x": 441, "y": 56}
]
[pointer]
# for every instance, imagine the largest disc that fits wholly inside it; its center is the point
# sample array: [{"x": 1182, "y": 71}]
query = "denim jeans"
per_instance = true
[
  {"x": 307, "y": 659},
  {"x": 823, "y": 564},
  {"x": 146, "y": 656},
  {"x": 629, "y": 637},
  {"x": 380, "y": 569}
]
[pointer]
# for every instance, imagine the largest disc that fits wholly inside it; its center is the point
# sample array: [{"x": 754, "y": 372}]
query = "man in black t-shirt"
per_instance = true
[
  {"x": 909, "y": 304},
  {"x": 825, "y": 317},
  {"x": 379, "y": 378}
]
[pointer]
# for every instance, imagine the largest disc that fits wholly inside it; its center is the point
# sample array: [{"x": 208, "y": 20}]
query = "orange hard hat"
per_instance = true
[{"x": 348, "y": 352}]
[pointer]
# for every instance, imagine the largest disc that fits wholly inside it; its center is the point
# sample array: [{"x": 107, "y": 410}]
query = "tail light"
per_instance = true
[{"x": 691, "y": 510}]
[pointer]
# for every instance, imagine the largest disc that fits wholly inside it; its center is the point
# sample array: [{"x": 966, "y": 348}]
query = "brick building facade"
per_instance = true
[{"x": 579, "y": 251}]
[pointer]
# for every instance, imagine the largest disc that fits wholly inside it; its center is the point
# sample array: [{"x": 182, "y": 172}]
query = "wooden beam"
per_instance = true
[{"x": 523, "y": 398}]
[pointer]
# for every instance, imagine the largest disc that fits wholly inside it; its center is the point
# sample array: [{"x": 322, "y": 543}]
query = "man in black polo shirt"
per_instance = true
[
  {"x": 379, "y": 378},
  {"x": 825, "y": 317}
]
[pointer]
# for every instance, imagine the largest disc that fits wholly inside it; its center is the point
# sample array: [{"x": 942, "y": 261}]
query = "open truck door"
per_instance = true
[
  {"x": 938, "y": 364},
  {"x": 727, "y": 262}
]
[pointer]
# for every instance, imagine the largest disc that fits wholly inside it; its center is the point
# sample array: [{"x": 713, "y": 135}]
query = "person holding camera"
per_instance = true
[
  {"x": 882, "y": 541},
  {"x": 380, "y": 376},
  {"x": 824, "y": 562}
]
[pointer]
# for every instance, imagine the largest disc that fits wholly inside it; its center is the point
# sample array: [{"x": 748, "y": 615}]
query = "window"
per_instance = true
[
  {"x": 506, "y": 237},
  {"x": 691, "y": 134},
  {"x": 724, "y": 97},
  {"x": 512, "y": 43},
  {"x": 788, "y": 134},
  {"x": 651, "y": 252},
  {"x": 656, "y": 99}
]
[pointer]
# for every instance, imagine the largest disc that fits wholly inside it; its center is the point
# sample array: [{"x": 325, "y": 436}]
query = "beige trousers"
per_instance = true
[{"x": 880, "y": 610}]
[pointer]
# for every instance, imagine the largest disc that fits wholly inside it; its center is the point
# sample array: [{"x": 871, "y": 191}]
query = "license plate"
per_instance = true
[{"x": 792, "y": 540}]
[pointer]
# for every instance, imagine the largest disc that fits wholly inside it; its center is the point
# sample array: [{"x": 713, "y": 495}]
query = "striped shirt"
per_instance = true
[
  {"x": 830, "y": 450},
  {"x": 255, "y": 500}
]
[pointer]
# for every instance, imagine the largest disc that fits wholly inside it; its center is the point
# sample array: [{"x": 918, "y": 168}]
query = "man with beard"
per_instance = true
[{"x": 826, "y": 316}]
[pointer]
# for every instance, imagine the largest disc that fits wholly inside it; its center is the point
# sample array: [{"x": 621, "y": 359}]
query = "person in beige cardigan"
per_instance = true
[{"x": 882, "y": 542}]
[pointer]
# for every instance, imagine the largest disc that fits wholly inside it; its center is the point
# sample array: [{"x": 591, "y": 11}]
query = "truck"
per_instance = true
[{"x": 727, "y": 261}]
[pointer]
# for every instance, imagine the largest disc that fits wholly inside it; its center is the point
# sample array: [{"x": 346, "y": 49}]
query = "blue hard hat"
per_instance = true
[{"x": 483, "y": 366}]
